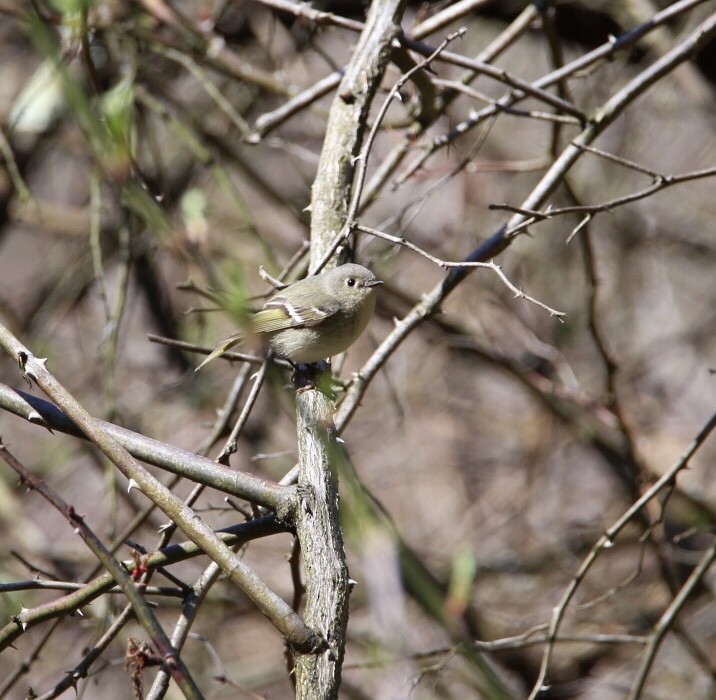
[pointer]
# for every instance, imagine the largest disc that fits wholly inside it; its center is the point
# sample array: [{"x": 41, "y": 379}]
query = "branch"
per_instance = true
[
  {"x": 154, "y": 452},
  {"x": 317, "y": 523},
  {"x": 661, "y": 182},
  {"x": 270, "y": 604},
  {"x": 500, "y": 240},
  {"x": 173, "y": 554},
  {"x": 667, "y": 620},
  {"x": 602, "y": 52},
  {"x": 362, "y": 159},
  {"x": 446, "y": 264},
  {"x": 607, "y": 540},
  {"x": 171, "y": 660}
]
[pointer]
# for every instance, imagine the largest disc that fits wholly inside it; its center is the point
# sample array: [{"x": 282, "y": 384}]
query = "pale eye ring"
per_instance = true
[{"x": 351, "y": 282}]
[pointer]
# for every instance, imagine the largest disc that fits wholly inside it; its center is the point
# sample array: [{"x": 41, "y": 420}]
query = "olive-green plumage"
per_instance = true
[{"x": 314, "y": 318}]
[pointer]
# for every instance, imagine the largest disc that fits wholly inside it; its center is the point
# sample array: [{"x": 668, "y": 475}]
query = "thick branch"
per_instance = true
[
  {"x": 196, "y": 529},
  {"x": 346, "y": 126},
  {"x": 317, "y": 523},
  {"x": 159, "y": 454}
]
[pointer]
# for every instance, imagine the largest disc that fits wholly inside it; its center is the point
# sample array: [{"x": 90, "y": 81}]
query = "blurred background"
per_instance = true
[{"x": 145, "y": 178}]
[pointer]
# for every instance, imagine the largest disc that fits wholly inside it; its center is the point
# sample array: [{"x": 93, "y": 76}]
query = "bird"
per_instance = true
[{"x": 314, "y": 318}]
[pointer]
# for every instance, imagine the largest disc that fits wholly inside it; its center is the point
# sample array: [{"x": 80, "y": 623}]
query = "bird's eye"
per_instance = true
[{"x": 351, "y": 282}]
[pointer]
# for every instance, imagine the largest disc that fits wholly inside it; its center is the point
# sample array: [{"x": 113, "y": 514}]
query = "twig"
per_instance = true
[
  {"x": 170, "y": 659},
  {"x": 523, "y": 86},
  {"x": 482, "y": 97},
  {"x": 390, "y": 164},
  {"x": 521, "y": 641},
  {"x": 269, "y": 121},
  {"x": 445, "y": 264},
  {"x": 667, "y": 620},
  {"x": 201, "y": 350},
  {"x": 362, "y": 159},
  {"x": 212, "y": 90},
  {"x": 622, "y": 161},
  {"x": 231, "y": 443},
  {"x": 610, "y": 47},
  {"x": 39, "y": 584},
  {"x": 172, "y": 554},
  {"x": 211, "y": 48},
  {"x": 662, "y": 182},
  {"x": 450, "y": 14},
  {"x": 301, "y": 9},
  {"x": 606, "y": 540}
]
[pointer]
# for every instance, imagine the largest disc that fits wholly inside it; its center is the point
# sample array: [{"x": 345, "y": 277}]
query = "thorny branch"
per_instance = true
[{"x": 213, "y": 64}]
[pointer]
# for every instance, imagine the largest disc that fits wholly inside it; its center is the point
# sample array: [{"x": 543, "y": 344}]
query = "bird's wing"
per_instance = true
[{"x": 279, "y": 314}]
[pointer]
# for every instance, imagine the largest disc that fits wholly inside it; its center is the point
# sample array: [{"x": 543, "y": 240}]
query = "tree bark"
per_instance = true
[{"x": 318, "y": 675}]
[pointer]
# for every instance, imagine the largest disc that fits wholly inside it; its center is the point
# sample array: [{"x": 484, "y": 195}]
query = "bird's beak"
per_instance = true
[{"x": 373, "y": 283}]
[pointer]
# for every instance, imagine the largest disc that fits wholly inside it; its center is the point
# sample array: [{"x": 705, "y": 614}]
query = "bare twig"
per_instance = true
[
  {"x": 446, "y": 264},
  {"x": 667, "y": 620},
  {"x": 528, "y": 639},
  {"x": 231, "y": 443},
  {"x": 362, "y": 159},
  {"x": 170, "y": 659},
  {"x": 450, "y": 14},
  {"x": 393, "y": 160},
  {"x": 607, "y": 49},
  {"x": 172, "y": 554},
  {"x": 523, "y": 86},
  {"x": 662, "y": 182},
  {"x": 39, "y": 584},
  {"x": 605, "y": 542}
]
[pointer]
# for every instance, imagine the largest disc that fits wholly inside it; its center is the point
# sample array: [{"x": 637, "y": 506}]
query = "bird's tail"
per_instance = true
[{"x": 221, "y": 348}]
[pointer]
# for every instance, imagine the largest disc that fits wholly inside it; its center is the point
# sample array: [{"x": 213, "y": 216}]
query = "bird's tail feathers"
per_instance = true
[{"x": 224, "y": 346}]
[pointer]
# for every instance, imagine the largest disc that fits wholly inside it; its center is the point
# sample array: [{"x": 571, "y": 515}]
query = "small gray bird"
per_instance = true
[{"x": 314, "y": 318}]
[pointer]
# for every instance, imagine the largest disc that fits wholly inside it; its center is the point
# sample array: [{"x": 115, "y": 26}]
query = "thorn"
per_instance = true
[
  {"x": 35, "y": 417},
  {"x": 132, "y": 485}
]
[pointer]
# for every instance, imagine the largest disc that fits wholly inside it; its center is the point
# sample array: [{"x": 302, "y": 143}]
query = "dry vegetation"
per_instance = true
[{"x": 145, "y": 178}]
